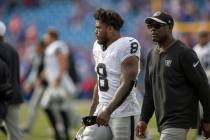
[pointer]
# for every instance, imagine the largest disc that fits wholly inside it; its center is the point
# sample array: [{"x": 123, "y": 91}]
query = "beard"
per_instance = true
[
  {"x": 102, "y": 42},
  {"x": 159, "y": 39}
]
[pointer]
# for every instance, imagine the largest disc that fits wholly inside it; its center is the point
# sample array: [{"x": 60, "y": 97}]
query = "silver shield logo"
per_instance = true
[
  {"x": 168, "y": 62},
  {"x": 157, "y": 13}
]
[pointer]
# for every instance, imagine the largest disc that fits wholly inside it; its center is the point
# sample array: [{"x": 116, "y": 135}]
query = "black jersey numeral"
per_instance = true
[
  {"x": 103, "y": 81},
  {"x": 134, "y": 47}
]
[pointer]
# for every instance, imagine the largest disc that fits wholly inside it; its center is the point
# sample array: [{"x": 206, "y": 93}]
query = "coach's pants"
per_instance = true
[
  {"x": 12, "y": 123},
  {"x": 174, "y": 134},
  {"x": 118, "y": 129}
]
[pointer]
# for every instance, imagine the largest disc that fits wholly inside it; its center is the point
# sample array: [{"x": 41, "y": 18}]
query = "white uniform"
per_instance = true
[
  {"x": 51, "y": 63},
  {"x": 108, "y": 69},
  {"x": 56, "y": 98},
  {"x": 204, "y": 57},
  {"x": 66, "y": 87}
]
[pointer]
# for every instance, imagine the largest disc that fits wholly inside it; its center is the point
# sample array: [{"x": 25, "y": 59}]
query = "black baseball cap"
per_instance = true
[{"x": 160, "y": 17}]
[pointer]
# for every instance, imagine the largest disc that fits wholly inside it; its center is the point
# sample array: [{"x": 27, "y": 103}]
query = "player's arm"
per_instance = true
[
  {"x": 94, "y": 100},
  {"x": 129, "y": 71},
  {"x": 62, "y": 62}
]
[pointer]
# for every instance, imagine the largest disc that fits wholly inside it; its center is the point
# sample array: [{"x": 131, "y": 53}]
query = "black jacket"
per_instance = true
[
  {"x": 174, "y": 83},
  {"x": 9, "y": 55},
  {"x": 5, "y": 88}
]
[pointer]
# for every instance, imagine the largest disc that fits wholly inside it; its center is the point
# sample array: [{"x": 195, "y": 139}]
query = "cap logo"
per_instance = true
[{"x": 157, "y": 13}]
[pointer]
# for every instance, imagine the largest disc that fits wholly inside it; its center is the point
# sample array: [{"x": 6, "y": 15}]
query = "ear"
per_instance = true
[
  {"x": 170, "y": 27},
  {"x": 110, "y": 28}
]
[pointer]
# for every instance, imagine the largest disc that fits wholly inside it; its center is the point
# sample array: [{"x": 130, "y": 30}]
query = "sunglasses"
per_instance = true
[{"x": 156, "y": 26}]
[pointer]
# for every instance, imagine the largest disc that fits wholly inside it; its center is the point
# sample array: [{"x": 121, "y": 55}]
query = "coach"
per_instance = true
[{"x": 174, "y": 83}]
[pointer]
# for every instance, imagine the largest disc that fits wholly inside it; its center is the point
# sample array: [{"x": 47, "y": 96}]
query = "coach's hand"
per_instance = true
[
  {"x": 103, "y": 118},
  {"x": 206, "y": 130},
  {"x": 141, "y": 129}
]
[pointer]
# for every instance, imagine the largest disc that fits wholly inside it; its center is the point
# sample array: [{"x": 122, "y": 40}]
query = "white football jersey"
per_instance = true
[
  {"x": 108, "y": 69},
  {"x": 50, "y": 59},
  {"x": 52, "y": 71},
  {"x": 204, "y": 57}
]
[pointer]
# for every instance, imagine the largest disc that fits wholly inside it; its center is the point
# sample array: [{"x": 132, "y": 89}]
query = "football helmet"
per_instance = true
[
  {"x": 79, "y": 134},
  {"x": 87, "y": 121}
]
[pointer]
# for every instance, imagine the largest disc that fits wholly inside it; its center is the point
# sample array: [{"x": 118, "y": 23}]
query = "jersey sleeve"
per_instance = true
[
  {"x": 62, "y": 47},
  {"x": 131, "y": 47}
]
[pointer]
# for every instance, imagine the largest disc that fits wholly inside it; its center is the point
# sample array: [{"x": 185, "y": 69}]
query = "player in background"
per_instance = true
[
  {"x": 60, "y": 86},
  {"x": 202, "y": 48}
]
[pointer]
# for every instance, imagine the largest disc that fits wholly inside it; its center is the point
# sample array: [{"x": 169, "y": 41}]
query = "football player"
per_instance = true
[{"x": 117, "y": 66}]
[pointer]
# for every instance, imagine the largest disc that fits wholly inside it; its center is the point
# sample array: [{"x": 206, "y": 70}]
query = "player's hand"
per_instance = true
[
  {"x": 103, "y": 118},
  {"x": 82, "y": 124},
  {"x": 56, "y": 82},
  {"x": 37, "y": 83},
  {"x": 141, "y": 129},
  {"x": 27, "y": 88},
  {"x": 206, "y": 130}
]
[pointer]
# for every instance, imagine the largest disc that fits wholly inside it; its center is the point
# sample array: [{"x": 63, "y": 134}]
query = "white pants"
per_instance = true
[
  {"x": 174, "y": 134},
  {"x": 118, "y": 129}
]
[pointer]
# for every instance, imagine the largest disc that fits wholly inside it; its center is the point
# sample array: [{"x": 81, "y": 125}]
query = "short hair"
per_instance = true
[
  {"x": 203, "y": 34},
  {"x": 110, "y": 18},
  {"x": 53, "y": 33}
]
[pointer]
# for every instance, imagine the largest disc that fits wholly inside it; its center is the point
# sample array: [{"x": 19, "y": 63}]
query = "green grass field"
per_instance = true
[{"x": 41, "y": 129}]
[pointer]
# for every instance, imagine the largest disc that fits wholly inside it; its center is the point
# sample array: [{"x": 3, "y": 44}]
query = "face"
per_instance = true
[
  {"x": 158, "y": 31},
  {"x": 47, "y": 39},
  {"x": 101, "y": 32},
  {"x": 204, "y": 39}
]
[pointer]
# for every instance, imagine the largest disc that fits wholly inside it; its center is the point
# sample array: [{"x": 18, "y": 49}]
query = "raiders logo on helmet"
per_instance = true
[{"x": 87, "y": 121}]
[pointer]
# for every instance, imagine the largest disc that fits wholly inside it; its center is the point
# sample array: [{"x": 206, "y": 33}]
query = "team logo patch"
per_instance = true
[
  {"x": 168, "y": 63},
  {"x": 156, "y": 13}
]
